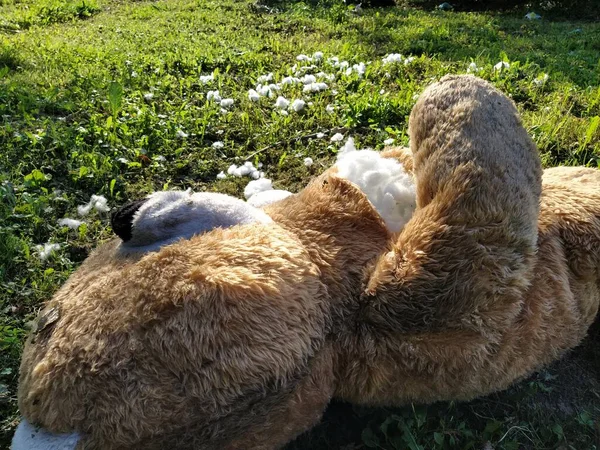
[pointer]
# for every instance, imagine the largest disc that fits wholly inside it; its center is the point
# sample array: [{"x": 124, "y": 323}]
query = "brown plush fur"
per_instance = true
[{"x": 238, "y": 338}]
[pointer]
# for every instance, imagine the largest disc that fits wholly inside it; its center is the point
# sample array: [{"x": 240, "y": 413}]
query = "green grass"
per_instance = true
[{"x": 76, "y": 119}]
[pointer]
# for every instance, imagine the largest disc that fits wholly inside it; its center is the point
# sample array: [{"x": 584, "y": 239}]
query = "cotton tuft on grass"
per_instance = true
[
  {"x": 247, "y": 169},
  {"x": 308, "y": 161},
  {"x": 97, "y": 202},
  {"x": 337, "y": 137},
  {"x": 256, "y": 186},
  {"x": 73, "y": 224},
  {"x": 213, "y": 95},
  {"x": 253, "y": 95},
  {"x": 282, "y": 103},
  {"x": 44, "y": 251},
  {"x": 298, "y": 105}
]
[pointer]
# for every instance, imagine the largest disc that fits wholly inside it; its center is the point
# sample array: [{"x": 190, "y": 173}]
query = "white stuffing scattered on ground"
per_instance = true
[
  {"x": 181, "y": 134},
  {"x": 253, "y": 95},
  {"x": 282, "y": 102},
  {"x": 337, "y": 137},
  {"x": 330, "y": 109},
  {"x": 501, "y": 65},
  {"x": 541, "y": 80},
  {"x": 123, "y": 160},
  {"x": 73, "y": 224},
  {"x": 298, "y": 105},
  {"x": 473, "y": 68},
  {"x": 308, "y": 79},
  {"x": 265, "y": 78},
  {"x": 303, "y": 58},
  {"x": 389, "y": 141},
  {"x": 317, "y": 56},
  {"x": 308, "y": 161},
  {"x": 290, "y": 80},
  {"x": 256, "y": 186},
  {"x": 227, "y": 103},
  {"x": 384, "y": 181},
  {"x": 315, "y": 87},
  {"x": 532, "y": 16},
  {"x": 394, "y": 58},
  {"x": 213, "y": 95},
  {"x": 207, "y": 78},
  {"x": 320, "y": 135},
  {"x": 44, "y": 251},
  {"x": 221, "y": 175},
  {"x": 148, "y": 96},
  {"x": 247, "y": 169},
  {"x": 218, "y": 144},
  {"x": 97, "y": 202}
]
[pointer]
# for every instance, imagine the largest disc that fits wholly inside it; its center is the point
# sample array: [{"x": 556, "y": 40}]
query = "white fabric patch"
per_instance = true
[
  {"x": 389, "y": 188},
  {"x": 28, "y": 437},
  {"x": 172, "y": 215}
]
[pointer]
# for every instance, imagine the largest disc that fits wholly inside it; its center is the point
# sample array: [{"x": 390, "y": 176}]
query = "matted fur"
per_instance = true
[{"x": 238, "y": 338}]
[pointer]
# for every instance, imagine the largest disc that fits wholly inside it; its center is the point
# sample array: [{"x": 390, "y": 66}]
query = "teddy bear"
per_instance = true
[{"x": 446, "y": 271}]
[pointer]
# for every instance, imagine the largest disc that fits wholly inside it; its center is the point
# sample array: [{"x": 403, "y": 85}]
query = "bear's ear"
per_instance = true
[{"x": 121, "y": 220}]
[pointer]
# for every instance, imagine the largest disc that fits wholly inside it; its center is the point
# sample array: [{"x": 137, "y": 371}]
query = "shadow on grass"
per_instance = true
[{"x": 557, "y": 405}]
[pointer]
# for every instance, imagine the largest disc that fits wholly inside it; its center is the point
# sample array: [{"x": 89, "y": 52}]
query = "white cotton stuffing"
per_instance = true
[
  {"x": 207, "y": 78},
  {"x": 298, "y": 105},
  {"x": 218, "y": 144},
  {"x": 265, "y": 78},
  {"x": 213, "y": 95},
  {"x": 501, "y": 65},
  {"x": 256, "y": 186},
  {"x": 473, "y": 68},
  {"x": 303, "y": 58},
  {"x": 181, "y": 134},
  {"x": 389, "y": 141},
  {"x": 44, "y": 251},
  {"x": 247, "y": 169},
  {"x": 330, "y": 109},
  {"x": 337, "y": 137},
  {"x": 282, "y": 102},
  {"x": 290, "y": 80},
  {"x": 221, "y": 175},
  {"x": 253, "y": 95},
  {"x": 389, "y": 188},
  {"x": 226, "y": 102},
  {"x": 315, "y": 87},
  {"x": 308, "y": 161},
  {"x": 73, "y": 224},
  {"x": 392, "y": 58},
  {"x": 97, "y": 202},
  {"x": 308, "y": 79},
  {"x": 317, "y": 56}
]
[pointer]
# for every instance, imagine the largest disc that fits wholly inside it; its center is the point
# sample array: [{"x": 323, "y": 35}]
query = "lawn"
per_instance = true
[{"x": 106, "y": 97}]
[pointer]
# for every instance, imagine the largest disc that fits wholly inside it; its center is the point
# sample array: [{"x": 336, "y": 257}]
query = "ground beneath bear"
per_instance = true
[{"x": 566, "y": 392}]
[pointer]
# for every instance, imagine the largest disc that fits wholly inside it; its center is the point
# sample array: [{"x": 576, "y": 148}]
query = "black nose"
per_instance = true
[{"x": 122, "y": 218}]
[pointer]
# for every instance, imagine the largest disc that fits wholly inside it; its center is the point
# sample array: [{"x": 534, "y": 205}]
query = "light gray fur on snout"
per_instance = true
[
  {"x": 28, "y": 437},
  {"x": 172, "y": 215}
]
